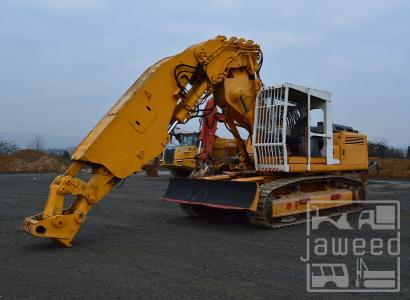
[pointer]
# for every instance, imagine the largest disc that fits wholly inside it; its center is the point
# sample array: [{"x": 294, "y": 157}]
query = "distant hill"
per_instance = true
[{"x": 22, "y": 139}]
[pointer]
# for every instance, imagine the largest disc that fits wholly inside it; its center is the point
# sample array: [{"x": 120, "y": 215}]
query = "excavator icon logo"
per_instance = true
[{"x": 342, "y": 223}]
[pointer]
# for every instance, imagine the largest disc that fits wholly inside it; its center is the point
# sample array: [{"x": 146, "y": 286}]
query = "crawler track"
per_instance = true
[{"x": 262, "y": 216}]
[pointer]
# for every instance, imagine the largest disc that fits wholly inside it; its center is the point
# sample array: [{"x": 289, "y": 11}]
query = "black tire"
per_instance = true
[
  {"x": 180, "y": 174},
  {"x": 198, "y": 210},
  {"x": 194, "y": 210}
]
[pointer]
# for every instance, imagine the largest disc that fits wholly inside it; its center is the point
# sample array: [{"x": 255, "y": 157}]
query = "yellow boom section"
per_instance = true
[{"x": 136, "y": 128}]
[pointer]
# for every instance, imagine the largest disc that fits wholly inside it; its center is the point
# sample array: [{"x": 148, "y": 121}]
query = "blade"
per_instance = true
[{"x": 213, "y": 193}]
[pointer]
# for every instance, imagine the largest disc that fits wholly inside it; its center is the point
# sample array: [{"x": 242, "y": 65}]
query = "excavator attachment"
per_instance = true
[
  {"x": 212, "y": 193},
  {"x": 59, "y": 227},
  {"x": 62, "y": 224}
]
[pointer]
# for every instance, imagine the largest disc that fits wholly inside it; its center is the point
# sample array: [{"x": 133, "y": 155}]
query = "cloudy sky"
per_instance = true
[{"x": 64, "y": 63}]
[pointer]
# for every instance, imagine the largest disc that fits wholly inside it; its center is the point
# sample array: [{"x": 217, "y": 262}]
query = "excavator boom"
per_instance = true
[{"x": 137, "y": 127}]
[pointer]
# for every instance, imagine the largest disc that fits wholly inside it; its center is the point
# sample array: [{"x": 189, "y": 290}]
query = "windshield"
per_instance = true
[{"x": 188, "y": 140}]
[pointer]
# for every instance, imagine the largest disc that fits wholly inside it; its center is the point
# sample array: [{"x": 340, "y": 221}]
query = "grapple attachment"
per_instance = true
[{"x": 212, "y": 193}]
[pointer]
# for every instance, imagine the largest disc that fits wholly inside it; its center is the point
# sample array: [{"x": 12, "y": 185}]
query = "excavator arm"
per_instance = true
[{"x": 137, "y": 127}]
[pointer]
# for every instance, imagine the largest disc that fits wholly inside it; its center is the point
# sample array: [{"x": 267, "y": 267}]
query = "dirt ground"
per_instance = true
[{"x": 135, "y": 246}]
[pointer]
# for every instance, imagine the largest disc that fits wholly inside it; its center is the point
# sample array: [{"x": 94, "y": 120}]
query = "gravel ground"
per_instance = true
[{"x": 135, "y": 246}]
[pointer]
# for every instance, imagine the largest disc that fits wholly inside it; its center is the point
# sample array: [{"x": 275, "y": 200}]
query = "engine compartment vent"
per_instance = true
[{"x": 354, "y": 140}]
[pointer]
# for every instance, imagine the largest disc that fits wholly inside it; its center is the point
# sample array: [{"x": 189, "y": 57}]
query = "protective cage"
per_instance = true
[
  {"x": 277, "y": 110},
  {"x": 269, "y": 134}
]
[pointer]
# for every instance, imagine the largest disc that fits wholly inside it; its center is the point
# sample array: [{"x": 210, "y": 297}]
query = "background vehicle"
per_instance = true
[
  {"x": 182, "y": 159},
  {"x": 291, "y": 161}
]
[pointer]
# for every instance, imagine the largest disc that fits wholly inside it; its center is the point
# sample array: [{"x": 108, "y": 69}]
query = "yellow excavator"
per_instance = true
[
  {"x": 288, "y": 160},
  {"x": 182, "y": 159}
]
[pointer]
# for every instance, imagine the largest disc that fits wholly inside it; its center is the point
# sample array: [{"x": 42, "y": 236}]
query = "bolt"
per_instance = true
[{"x": 58, "y": 221}]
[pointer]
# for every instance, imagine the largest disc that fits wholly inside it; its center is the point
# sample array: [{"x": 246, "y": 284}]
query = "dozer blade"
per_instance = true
[{"x": 212, "y": 193}]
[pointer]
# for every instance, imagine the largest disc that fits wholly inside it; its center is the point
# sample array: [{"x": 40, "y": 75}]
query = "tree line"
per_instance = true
[
  {"x": 383, "y": 150},
  {"x": 37, "y": 143},
  {"x": 376, "y": 148}
]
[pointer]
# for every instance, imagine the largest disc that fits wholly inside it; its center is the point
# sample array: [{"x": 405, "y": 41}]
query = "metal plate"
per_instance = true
[{"x": 212, "y": 193}]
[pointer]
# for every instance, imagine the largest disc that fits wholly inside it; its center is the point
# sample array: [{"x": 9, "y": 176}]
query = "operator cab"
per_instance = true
[
  {"x": 293, "y": 126},
  {"x": 301, "y": 116}
]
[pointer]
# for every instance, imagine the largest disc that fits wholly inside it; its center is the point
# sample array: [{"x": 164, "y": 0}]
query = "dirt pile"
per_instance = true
[
  {"x": 390, "y": 168},
  {"x": 31, "y": 161}
]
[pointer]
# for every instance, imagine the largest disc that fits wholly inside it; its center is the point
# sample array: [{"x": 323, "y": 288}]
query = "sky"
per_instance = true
[{"x": 64, "y": 63}]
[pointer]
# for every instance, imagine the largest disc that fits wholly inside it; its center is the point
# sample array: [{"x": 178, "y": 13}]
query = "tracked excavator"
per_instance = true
[{"x": 289, "y": 161}]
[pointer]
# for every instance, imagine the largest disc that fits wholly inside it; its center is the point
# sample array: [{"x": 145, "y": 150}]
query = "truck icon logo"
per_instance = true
[
  {"x": 383, "y": 217},
  {"x": 329, "y": 275}
]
